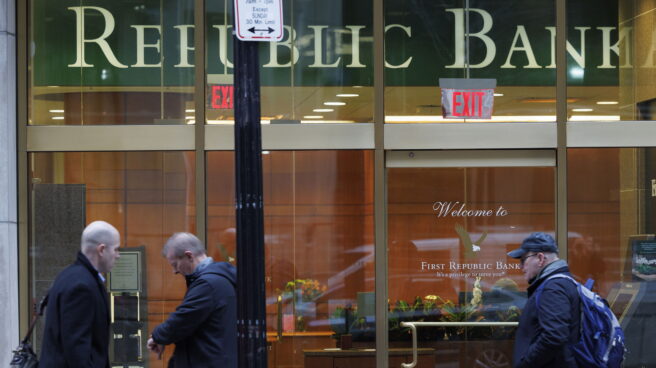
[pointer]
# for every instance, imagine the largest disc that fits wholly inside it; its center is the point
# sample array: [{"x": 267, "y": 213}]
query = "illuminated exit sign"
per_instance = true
[
  {"x": 221, "y": 97},
  {"x": 467, "y": 98}
]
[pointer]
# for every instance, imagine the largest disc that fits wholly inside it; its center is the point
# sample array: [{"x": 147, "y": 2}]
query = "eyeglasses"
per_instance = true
[{"x": 521, "y": 261}]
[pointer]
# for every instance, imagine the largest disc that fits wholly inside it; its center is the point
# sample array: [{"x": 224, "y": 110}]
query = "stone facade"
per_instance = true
[{"x": 9, "y": 334}]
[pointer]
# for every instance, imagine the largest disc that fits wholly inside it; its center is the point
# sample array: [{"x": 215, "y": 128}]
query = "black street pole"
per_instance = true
[{"x": 251, "y": 294}]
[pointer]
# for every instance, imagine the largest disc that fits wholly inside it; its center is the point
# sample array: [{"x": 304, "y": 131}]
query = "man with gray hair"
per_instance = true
[
  {"x": 76, "y": 333},
  {"x": 548, "y": 327},
  {"x": 204, "y": 327}
]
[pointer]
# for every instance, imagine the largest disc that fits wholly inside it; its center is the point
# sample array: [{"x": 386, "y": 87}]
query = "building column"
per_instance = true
[{"x": 9, "y": 335}]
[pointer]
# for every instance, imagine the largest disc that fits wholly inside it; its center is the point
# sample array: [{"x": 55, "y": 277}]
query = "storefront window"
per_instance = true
[
  {"x": 113, "y": 63},
  {"x": 318, "y": 225},
  {"x": 606, "y": 59},
  {"x": 449, "y": 232},
  {"x": 320, "y": 72},
  {"x": 611, "y": 237},
  {"x": 147, "y": 196},
  {"x": 510, "y": 43}
]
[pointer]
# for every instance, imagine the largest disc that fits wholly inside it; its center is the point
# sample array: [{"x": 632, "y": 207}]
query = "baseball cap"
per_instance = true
[{"x": 536, "y": 242}]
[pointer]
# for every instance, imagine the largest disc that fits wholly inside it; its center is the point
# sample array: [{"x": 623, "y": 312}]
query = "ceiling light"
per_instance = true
[
  {"x": 576, "y": 72},
  {"x": 545, "y": 100},
  {"x": 313, "y": 117},
  {"x": 323, "y": 110},
  {"x": 190, "y": 110},
  {"x": 57, "y": 111},
  {"x": 498, "y": 95},
  {"x": 326, "y": 121},
  {"x": 594, "y": 118},
  {"x": 348, "y": 95},
  {"x": 189, "y": 117},
  {"x": 606, "y": 102},
  {"x": 334, "y": 103},
  {"x": 582, "y": 110},
  {"x": 57, "y": 118},
  {"x": 440, "y": 119}
]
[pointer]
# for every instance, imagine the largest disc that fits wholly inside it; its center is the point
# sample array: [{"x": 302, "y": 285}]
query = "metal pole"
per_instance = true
[{"x": 251, "y": 327}]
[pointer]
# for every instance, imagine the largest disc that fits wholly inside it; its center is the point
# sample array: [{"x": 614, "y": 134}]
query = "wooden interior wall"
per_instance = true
[{"x": 594, "y": 215}]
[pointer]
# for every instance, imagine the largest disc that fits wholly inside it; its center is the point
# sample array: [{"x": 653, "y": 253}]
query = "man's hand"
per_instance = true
[{"x": 155, "y": 348}]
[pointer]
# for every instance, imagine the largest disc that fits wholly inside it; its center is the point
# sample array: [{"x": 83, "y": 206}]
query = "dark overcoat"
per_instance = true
[
  {"x": 204, "y": 327},
  {"x": 76, "y": 332},
  {"x": 548, "y": 328}
]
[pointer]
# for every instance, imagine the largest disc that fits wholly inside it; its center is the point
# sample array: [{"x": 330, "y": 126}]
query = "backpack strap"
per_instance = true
[
  {"x": 538, "y": 292},
  {"x": 589, "y": 284}
]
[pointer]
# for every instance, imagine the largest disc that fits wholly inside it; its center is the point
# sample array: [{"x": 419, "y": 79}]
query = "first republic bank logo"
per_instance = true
[{"x": 472, "y": 248}]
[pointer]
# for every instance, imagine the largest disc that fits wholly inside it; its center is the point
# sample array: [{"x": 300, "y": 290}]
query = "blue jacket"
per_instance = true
[
  {"x": 76, "y": 333},
  {"x": 204, "y": 327},
  {"x": 546, "y": 331}
]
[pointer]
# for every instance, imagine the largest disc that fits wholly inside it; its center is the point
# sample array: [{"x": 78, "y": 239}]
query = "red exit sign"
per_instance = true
[
  {"x": 467, "y": 98},
  {"x": 222, "y": 97}
]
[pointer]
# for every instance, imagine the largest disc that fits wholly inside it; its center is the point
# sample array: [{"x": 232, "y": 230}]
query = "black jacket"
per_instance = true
[
  {"x": 204, "y": 326},
  {"x": 545, "y": 333},
  {"x": 76, "y": 332}
]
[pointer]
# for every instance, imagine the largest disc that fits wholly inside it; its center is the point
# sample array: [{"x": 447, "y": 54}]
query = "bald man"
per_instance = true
[{"x": 76, "y": 333}]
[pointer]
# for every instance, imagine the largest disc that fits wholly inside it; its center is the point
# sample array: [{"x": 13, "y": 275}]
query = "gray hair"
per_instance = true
[
  {"x": 96, "y": 233},
  {"x": 179, "y": 243},
  {"x": 550, "y": 256}
]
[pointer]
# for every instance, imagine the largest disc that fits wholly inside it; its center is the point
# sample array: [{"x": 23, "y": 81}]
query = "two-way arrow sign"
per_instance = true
[
  {"x": 259, "y": 20},
  {"x": 253, "y": 30}
]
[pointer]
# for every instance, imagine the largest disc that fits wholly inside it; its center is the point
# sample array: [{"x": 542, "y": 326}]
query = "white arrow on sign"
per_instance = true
[{"x": 259, "y": 20}]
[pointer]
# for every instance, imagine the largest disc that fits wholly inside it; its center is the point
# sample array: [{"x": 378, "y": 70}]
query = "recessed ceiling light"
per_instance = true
[
  {"x": 323, "y": 110},
  {"x": 498, "y": 95},
  {"x": 189, "y": 117},
  {"x": 334, "y": 103},
  {"x": 190, "y": 110},
  {"x": 594, "y": 118},
  {"x": 313, "y": 117},
  {"x": 57, "y": 118},
  {"x": 348, "y": 95},
  {"x": 56, "y": 111},
  {"x": 582, "y": 110},
  {"x": 606, "y": 102}
]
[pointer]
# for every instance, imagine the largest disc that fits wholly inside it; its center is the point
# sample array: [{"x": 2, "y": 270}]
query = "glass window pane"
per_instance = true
[
  {"x": 511, "y": 43},
  {"x": 318, "y": 208},
  {"x": 321, "y": 71},
  {"x": 118, "y": 62},
  {"x": 607, "y": 61},
  {"x": 449, "y": 232},
  {"x": 611, "y": 227},
  {"x": 147, "y": 196}
]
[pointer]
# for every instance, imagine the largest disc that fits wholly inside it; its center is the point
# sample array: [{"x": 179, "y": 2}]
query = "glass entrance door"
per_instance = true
[{"x": 452, "y": 217}]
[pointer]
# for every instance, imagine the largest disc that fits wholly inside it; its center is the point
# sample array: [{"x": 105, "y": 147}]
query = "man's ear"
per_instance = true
[
  {"x": 188, "y": 254},
  {"x": 101, "y": 248}
]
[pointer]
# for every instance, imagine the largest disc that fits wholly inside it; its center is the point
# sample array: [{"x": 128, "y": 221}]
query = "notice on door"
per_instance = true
[
  {"x": 259, "y": 20},
  {"x": 467, "y": 98}
]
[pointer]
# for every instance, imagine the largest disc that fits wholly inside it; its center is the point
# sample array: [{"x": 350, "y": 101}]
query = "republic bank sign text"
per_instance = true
[{"x": 104, "y": 48}]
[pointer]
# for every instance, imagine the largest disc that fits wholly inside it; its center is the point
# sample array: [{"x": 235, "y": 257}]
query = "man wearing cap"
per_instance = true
[{"x": 546, "y": 330}]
